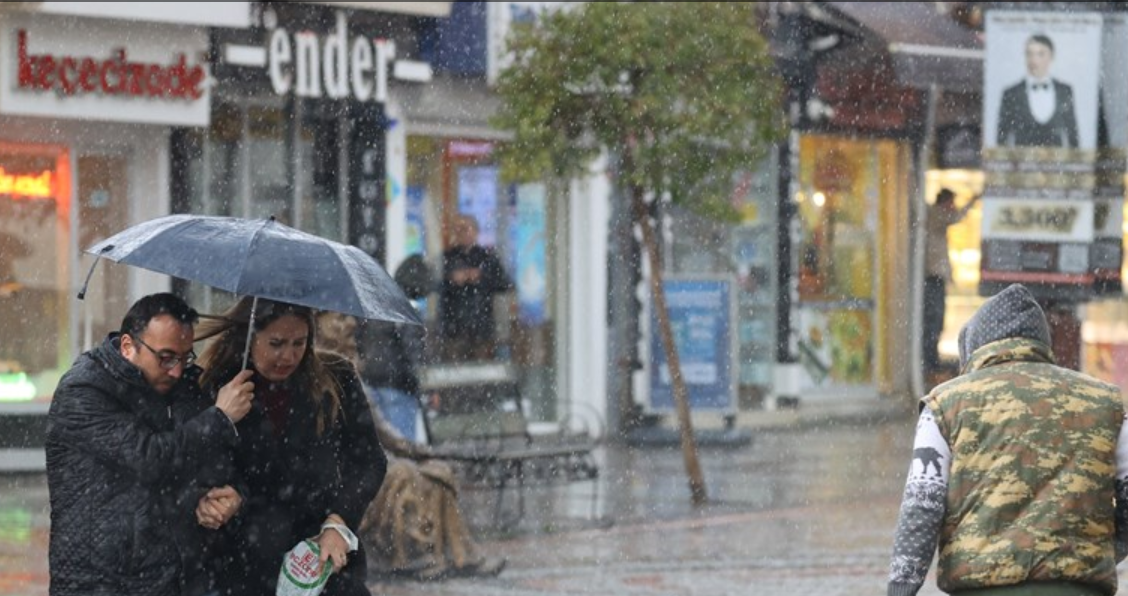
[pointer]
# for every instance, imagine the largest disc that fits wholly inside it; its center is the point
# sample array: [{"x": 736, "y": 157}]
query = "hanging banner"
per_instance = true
[
  {"x": 529, "y": 235},
  {"x": 416, "y": 237}
]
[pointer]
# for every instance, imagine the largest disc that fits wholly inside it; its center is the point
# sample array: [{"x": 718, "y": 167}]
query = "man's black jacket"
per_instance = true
[{"x": 125, "y": 469}]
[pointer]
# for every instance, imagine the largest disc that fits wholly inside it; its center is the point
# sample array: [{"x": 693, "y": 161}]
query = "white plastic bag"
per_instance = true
[{"x": 299, "y": 576}]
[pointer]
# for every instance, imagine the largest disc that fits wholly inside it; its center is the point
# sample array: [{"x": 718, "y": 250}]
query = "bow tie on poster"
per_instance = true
[{"x": 1040, "y": 86}]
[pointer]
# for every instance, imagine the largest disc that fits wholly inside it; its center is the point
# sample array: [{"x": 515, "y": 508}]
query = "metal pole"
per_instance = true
[
  {"x": 919, "y": 244},
  {"x": 250, "y": 333}
]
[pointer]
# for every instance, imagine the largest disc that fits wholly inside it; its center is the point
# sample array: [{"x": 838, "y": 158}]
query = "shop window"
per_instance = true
[
  {"x": 745, "y": 253},
  {"x": 35, "y": 270},
  {"x": 851, "y": 198},
  {"x": 449, "y": 180},
  {"x": 253, "y": 162}
]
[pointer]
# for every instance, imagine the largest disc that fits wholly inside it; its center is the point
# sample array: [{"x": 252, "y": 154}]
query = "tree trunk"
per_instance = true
[{"x": 681, "y": 393}]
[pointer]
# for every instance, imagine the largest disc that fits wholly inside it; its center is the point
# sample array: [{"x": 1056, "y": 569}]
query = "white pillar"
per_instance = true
[{"x": 589, "y": 215}]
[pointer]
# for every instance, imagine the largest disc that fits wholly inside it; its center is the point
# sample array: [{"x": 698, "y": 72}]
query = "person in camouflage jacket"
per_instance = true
[{"x": 1019, "y": 471}]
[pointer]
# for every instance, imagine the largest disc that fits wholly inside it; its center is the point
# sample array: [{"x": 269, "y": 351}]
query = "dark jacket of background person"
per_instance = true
[
  {"x": 126, "y": 468},
  {"x": 390, "y": 355},
  {"x": 1037, "y": 463},
  {"x": 294, "y": 483},
  {"x": 467, "y": 310}
]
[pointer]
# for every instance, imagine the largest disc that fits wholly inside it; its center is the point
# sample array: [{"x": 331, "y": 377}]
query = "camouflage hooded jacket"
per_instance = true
[
  {"x": 1032, "y": 465},
  {"x": 1033, "y": 469}
]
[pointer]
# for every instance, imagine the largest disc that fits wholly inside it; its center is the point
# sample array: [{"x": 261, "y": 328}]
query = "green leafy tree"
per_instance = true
[{"x": 684, "y": 94}]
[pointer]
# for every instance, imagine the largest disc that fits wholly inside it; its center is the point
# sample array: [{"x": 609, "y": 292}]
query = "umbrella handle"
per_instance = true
[
  {"x": 250, "y": 332},
  {"x": 89, "y": 274}
]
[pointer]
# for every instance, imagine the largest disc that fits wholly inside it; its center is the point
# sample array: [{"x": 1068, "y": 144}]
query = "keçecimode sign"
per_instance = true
[
  {"x": 335, "y": 65},
  {"x": 135, "y": 72},
  {"x": 117, "y": 74}
]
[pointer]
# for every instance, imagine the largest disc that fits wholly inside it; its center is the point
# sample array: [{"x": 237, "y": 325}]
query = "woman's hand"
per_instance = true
[
  {"x": 218, "y": 506},
  {"x": 235, "y": 397},
  {"x": 334, "y": 547}
]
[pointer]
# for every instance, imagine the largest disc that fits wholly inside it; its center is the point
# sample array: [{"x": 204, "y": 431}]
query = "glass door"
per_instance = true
[{"x": 848, "y": 191}]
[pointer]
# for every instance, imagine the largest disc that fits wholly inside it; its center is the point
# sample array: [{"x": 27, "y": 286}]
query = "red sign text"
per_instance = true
[{"x": 115, "y": 76}]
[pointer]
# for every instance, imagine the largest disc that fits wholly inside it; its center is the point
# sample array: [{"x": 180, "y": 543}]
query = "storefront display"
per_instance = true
[
  {"x": 850, "y": 199},
  {"x": 35, "y": 230},
  {"x": 451, "y": 177},
  {"x": 743, "y": 253},
  {"x": 964, "y": 254}
]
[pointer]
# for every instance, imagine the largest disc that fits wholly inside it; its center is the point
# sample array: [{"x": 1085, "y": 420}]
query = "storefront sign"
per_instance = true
[
  {"x": 118, "y": 71},
  {"x": 470, "y": 149},
  {"x": 367, "y": 190},
  {"x": 1038, "y": 221},
  {"x": 116, "y": 75},
  {"x": 334, "y": 66},
  {"x": 27, "y": 186}
]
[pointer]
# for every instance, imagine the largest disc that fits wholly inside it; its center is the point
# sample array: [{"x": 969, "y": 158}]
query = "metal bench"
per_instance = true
[{"x": 480, "y": 425}]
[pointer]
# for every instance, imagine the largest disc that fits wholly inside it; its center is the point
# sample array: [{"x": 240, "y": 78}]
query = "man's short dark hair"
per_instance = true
[
  {"x": 1043, "y": 39},
  {"x": 945, "y": 195},
  {"x": 153, "y": 305}
]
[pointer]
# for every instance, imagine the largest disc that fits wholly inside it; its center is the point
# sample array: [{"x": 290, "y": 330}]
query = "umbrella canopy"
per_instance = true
[{"x": 265, "y": 259}]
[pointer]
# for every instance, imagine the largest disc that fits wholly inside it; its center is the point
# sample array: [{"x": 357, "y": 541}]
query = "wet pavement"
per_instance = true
[{"x": 807, "y": 510}]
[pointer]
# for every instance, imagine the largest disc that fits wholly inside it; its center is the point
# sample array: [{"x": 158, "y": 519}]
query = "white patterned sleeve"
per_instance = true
[
  {"x": 1122, "y": 492},
  {"x": 922, "y": 508}
]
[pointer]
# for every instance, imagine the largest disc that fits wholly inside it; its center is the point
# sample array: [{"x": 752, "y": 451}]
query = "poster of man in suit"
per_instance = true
[{"x": 1042, "y": 76}]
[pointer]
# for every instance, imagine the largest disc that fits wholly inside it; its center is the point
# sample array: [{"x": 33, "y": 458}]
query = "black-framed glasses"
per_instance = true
[{"x": 169, "y": 360}]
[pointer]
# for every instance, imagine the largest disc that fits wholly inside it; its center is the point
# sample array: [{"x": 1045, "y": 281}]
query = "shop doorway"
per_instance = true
[{"x": 851, "y": 251}]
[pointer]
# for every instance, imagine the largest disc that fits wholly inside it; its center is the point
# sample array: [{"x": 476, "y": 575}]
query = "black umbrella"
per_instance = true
[
  {"x": 264, "y": 259},
  {"x": 261, "y": 258}
]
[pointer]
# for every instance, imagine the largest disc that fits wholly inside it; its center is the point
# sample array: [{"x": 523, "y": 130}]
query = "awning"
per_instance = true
[
  {"x": 928, "y": 48},
  {"x": 422, "y": 9},
  {"x": 449, "y": 107}
]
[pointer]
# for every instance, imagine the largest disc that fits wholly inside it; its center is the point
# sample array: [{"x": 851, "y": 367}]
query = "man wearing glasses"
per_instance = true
[{"x": 139, "y": 460}]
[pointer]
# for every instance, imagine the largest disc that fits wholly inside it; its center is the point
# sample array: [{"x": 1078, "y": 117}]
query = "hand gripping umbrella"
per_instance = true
[{"x": 260, "y": 258}]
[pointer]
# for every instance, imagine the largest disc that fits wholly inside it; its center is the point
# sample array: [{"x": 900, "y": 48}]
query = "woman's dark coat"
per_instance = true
[{"x": 296, "y": 482}]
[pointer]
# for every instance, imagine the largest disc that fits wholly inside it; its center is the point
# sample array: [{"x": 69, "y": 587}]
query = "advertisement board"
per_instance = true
[
  {"x": 702, "y": 312},
  {"x": 1053, "y": 125}
]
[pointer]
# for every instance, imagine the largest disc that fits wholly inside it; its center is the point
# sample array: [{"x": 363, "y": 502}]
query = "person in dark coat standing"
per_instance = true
[
  {"x": 472, "y": 275},
  {"x": 391, "y": 354},
  {"x": 1019, "y": 470},
  {"x": 308, "y": 450},
  {"x": 139, "y": 460}
]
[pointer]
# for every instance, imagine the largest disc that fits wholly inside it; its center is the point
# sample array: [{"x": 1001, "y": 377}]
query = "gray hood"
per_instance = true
[{"x": 1009, "y": 314}]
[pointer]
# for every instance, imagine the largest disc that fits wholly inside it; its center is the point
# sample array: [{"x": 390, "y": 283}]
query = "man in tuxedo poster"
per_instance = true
[{"x": 1039, "y": 109}]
